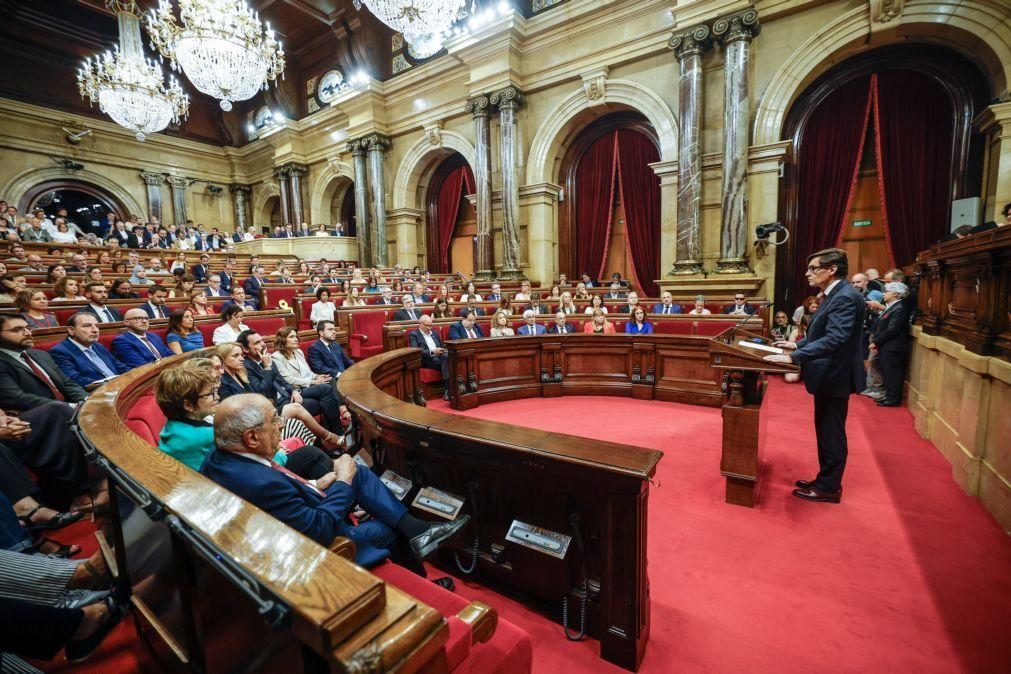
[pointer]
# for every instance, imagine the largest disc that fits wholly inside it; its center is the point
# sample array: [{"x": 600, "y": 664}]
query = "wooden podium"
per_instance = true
[{"x": 744, "y": 371}]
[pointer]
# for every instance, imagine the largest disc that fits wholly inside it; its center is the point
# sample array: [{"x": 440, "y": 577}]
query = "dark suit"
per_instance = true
[
  {"x": 51, "y": 451},
  {"x": 891, "y": 335},
  {"x": 328, "y": 360},
  {"x": 22, "y": 389},
  {"x": 539, "y": 308},
  {"x": 626, "y": 309},
  {"x": 321, "y": 518},
  {"x": 199, "y": 272},
  {"x": 660, "y": 309},
  {"x": 79, "y": 368},
  {"x": 318, "y": 399},
  {"x": 160, "y": 311},
  {"x": 247, "y": 304},
  {"x": 132, "y": 352},
  {"x": 535, "y": 329},
  {"x": 405, "y": 315},
  {"x": 831, "y": 360},
  {"x": 457, "y": 331},
  {"x": 103, "y": 319},
  {"x": 124, "y": 238},
  {"x": 429, "y": 360},
  {"x": 226, "y": 281},
  {"x": 236, "y": 237},
  {"x": 476, "y": 310},
  {"x": 252, "y": 287},
  {"x": 747, "y": 308},
  {"x": 569, "y": 329}
]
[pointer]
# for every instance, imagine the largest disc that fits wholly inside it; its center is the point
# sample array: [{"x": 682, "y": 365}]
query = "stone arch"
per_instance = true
[
  {"x": 20, "y": 184},
  {"x": 975, "y": 28},
  {"x": 419, "y": 164},
  {"x": 573, "y": 112},
  {"x": 335, "y": 177},
  {"x": 261, "y": 201}
]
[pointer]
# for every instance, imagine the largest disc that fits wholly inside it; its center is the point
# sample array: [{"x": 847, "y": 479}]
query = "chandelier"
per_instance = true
[
  {"x": 423, "y": 22},
  {"x": 220, "y": 45},
  {"x": 128, "y": 87}
]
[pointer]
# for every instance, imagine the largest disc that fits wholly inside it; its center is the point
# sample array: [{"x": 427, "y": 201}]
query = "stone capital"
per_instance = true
[
  {"x": 294, "y": 169},
  {"x": 509, "y": 98},
  {"x": 356, "y": 148},
  {"x": 152, "y": 178},
  {"x": 690, "y": 42},
  {"x": 479, "y": 106},
  {"x": 375, "y": 142},
  {"x": 179, "y": 182},
  {"x": 236, "y": 188},
  {"x": 742, "y": 25}
]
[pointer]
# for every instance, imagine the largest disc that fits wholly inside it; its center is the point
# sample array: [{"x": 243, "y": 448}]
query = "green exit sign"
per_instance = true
[{"x": 861, "y": 223}]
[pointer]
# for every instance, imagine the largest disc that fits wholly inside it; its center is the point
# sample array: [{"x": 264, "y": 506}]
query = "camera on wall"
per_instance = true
[
  {"x": 764, "y": 231},
  {"x": 214, "y": 190},
  {"x": 763, "y": 234}
]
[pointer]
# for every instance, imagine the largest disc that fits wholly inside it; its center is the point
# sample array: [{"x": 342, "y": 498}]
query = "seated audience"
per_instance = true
[
  {"x": 473, "y": 308},
  {"x": 53, "y": 273},
  {"x": 561, "y": 326},
  {"x": 155, "y": 305},
  {"x": 471, "y": 291},
  {"x": 666, "y": 305},
  {"x": 637, "y": 324},
  {"x": 700, "y": 307},
  {"x": 433, "y": 353},
  {"x": 184, "y": 285},
  {"x": 199, "y": 304},
  {"x": 80, "y": 356},
  {"x": 530, "y": 325},
  {"x": 354, "y": 298},
  {"x": 408, "y": 313},
  {"x": 10, "y": 286},
  {"x": 254, "y": 284},
  {"x": 215, "y": 288},
  {"x": 500, "y": 325},
  {"x": 566, "y": 305},
  {"x": 291, "y": 362},
  {"x": 810, "y": 303},
  {"x": 596, "y": 304},
  {"x": 387, "y": 296},
  {"x": 232, "y": 325},
  {"x": 200, "y": 270},
  {"x": 631, "y": 302},
  {"x": 782, "y": 326},
  {"x": 466, "y": 327},
  {"x": 598, "y": 324},
  {"x": 322, "y": 309},
  {"x": 524, "y": 294},
  {"x": 182, "y": 335},
  {"x": 67, "y": 289},
  {"x": 238, "y": 298},
  {"x": 581, "y": 292},
  {"x": 33, "y": 304},
  {"x": 325, "y": 355},
  {"x": 505, "y": 305},
  {"x": 615, "y": 292},
  {"x": 740, "y": 307},
  {"x": 122, "y": 289},
  {"x": 138, "y": 346},
  {"x": 63, "y": 233},
  {"x": 496, "y": 293},
  {"x": 536, "y": 305},
  {"x": 246, "y": 433},
  {"x": 556, "y": 293},
  {"x": 139, "y": 277}
]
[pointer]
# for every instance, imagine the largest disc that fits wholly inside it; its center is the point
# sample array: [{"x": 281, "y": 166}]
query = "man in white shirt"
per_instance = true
[
  {"x": 433, "y": 354},
  {"x": 214, "y": 288}
]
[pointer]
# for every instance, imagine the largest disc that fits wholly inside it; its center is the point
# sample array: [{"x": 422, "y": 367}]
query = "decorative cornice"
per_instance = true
[
  {"x": 885, "y": 11},
  {"x": 595, "y": 84},
  {"x": 508, "y": 98},
  {"x": 152, "y": 178},
  {"x": 690, "y": 42},
  {"x": 741, "y": 25},
  {"x": 479, "y": 106},
  {"x": 235, "y": 188}
]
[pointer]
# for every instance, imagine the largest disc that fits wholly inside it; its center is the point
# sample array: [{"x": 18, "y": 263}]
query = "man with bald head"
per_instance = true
[
  {"x": 247, "y": 430},
  {"x": 137, "y": 346},
  {"x": 433, "y": 353}
]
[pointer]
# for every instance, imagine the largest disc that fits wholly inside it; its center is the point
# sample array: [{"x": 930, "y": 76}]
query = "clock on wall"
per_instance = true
[{"x": 330, "y": 85}]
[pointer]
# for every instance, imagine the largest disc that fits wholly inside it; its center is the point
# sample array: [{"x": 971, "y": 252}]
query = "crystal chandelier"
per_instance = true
[
  {"x": 423, "y": 22},
  {"x": 128, "y": 87},
  {"x": 220, "y": 45}
]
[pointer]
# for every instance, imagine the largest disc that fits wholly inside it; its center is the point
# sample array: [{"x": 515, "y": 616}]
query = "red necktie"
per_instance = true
[
  {"x": 41, "y": 374},
  {"x": 298, "y": 478}
]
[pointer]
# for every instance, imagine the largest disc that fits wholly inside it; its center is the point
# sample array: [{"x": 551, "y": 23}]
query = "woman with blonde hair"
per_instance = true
[
  {"x": 500, "y": 325},
  {"x": 354, "y": 298},
  {"x": 599, "y": 324},
  {"x": 199, "y": 304}
]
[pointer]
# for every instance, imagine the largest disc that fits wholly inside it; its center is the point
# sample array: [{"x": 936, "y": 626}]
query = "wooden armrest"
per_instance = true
[
  {"x": 482, "y": 618},
  {"x": 344, "y": 547}
]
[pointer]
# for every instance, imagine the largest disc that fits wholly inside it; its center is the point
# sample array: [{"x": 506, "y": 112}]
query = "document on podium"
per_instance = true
[{"x": 759, "y": 347}]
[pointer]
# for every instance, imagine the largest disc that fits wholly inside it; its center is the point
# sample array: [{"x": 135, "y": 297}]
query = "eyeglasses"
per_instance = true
[
  {"x": 213, "y": 394},
  {"x": 814, "y": 268},
  {"x": 18, "y": 331}
]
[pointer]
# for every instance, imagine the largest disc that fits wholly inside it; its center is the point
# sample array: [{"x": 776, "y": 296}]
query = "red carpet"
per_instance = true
[{"x": 907, "y": 574}]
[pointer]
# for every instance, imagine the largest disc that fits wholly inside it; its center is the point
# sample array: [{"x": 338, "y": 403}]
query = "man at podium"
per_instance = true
[{"x": 831, "y": 361}]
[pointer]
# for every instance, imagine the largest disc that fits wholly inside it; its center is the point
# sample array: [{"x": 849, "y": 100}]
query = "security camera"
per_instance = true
[
  {"x": 764, "y": 231},
  {"x": 214, "y": 189}
]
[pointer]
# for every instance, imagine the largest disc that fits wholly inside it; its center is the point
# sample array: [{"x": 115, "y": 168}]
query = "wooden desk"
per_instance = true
[
  {"x": 332, "y": 248},
  {"x": 507, "y": 472}
]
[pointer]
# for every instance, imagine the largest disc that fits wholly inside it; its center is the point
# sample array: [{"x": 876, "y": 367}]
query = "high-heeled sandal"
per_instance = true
[
  {"x": 63, "y": 551},
  {"x": 57, "y": 521},
  {"x": 333, "y": 442}
]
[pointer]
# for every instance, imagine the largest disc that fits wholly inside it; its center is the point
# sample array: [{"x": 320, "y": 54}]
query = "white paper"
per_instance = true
[{"x": 759, "y": 347}]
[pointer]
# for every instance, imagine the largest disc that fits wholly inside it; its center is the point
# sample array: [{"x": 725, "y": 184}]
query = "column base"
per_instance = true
[
  {"x": 733, "y": 265},
  {"x": 685, "y": 267},
  {"x": 511, "y": 275},
  {"x": 484, "y": 275}
]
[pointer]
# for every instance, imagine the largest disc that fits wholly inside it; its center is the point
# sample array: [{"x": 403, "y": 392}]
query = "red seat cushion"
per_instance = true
[
  {"x": 710, "y": 328},
  {"x": 273, "y": 294},
  {"x": 429, "y": 375},
  {"x": 265, "y": 326},
  {"x": 145, "y": 419},
  {"x": 673, "y": 327},
  {"x": 369, "y": 323}
]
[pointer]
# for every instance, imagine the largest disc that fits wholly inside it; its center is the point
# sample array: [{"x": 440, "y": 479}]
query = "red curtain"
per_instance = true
[
  {"x": 914, "y": 124},
  {"x": 829, "y": 157},
  {"x": 640, "y": 196},
  {"x": 594, "y": 206},
  {"x": 459, "y": 182}
]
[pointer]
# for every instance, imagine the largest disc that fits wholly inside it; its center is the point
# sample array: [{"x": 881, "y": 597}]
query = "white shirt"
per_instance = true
[
  {"x": 64, "y": 237},
  {"x": 589, "y": 310},
  {"x": 322, "y": 311},
  {"x": 429, "y": 340},
  {"x": 224, "y": 333}
]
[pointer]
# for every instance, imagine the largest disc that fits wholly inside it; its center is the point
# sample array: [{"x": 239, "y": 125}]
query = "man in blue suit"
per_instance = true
[
  {"x": 247, "y": 430},
  {"x": 137, "y": 346},
  {"x": 325, "y": 355},
  {"x": 831, "y": 360},
  {"x": 433, "y": 353},
  {"x": 155, "y": 305},
  {"x": 666, "y": 305},
  {"x": 239, "y": 297},
  {"x": 561, "y": 326},
  {"x": 254, "y": 283},
  {"x": 530, "y": 327},
  {"x": 466, "y": 327},
  {"x": 81, "y": 358}
]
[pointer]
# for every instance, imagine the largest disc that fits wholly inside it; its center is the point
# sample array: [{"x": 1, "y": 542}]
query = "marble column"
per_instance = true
[
  {"x": 688, "y": 47},
  {"x": 153, "y": 182},
  {"x": 507, "y": 101},
  {"x": 281, "y": 173},
  {"x": 179, "y": 185},
  {"x": 362, "y": 223},
  {"x": 377, "y": 145},
  {"x": 735, "y": 32},
  {"x": 239, "y": 195},
  {"x": 479, "y": 107},
  {"x": 295, "y": 174}
]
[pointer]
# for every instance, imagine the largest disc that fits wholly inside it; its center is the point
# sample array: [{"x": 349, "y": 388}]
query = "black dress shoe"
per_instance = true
[
  {"x": 81, "y": 649},
  {"x": 425, "y": 544},
  {"x": 804, "y": 484},
  {"x": 812, "y": 494},
  {"x": 888, "y": 403}
]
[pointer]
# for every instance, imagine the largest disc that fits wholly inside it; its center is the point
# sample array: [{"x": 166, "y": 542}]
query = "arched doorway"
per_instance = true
[
  {"x": 85, "y": 204},
  {"x": 871, "y": 171},
  {"x": 610, "y": 218},
  {"x": 269, "y": 215},
  {"x": 342, "y": 209},
  {"x": 451, "y": 236}
]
